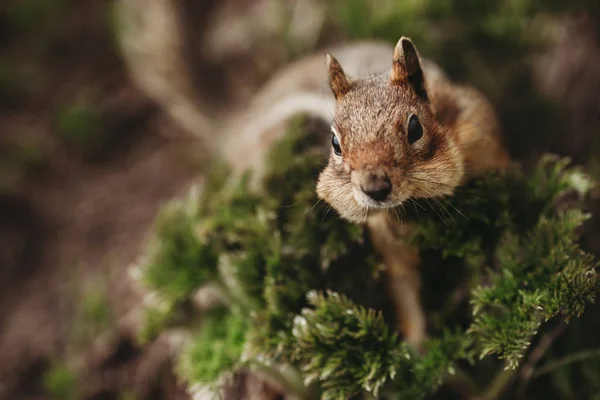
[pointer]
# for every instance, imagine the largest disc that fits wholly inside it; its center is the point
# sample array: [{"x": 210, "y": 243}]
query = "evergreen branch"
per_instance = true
[
  {"x": 348, "y": 349},
  {"x": 272, "y": 260},
  {"x": 178, "y": 262},
  {"x": 216, "y": 349},
  {"x": 344, "y": 347}
]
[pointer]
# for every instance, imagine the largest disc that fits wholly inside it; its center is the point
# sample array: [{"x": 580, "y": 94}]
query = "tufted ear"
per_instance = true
[
  {"x": 337, "y": 78},
  {"x": 406, "y": 67}
]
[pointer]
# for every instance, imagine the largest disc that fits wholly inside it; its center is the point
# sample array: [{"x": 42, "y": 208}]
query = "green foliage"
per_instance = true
[
  {"x": 95, "y": 307},
  {"x": 94, "y": 314},
  {"x": 465, "y": 36},
  {"x": 179, "y": 262},
  {"x": 347, "y": 348},
  {"x": 539, "y": 270},
  {"x": 114, "y": 22},
  {"x": 496, "y": 203},
  {"x": 19, "y": 159},
  {"x": 60, "y": 383},
  {"x": 363, "y": 19},
  {"x": 420, "y": 376},
  {"x": 303, "y": 285},
  {"x": 266, "y": 251},
  {"x": 81, "y": 125},
  {"x": 350, "y": 349},
  {"x": 540, "y": 276},
  {"x": 216, "y": 349},
  {"x": 156, "y": 319},
  {"x": 11, "y": 77},
  {"x": 30, "y": 15},
  {"x": 128, "y": 396}
]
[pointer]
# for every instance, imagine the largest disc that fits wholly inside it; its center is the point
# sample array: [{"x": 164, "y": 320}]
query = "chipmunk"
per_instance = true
[{"x": 400, "y": 130}]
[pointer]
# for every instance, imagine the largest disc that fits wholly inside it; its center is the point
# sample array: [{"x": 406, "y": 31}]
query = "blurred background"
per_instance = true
[{"x": 88, "y": 155}]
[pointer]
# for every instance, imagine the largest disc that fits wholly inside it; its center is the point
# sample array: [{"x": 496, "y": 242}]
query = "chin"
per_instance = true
[
  {"x": 368, "y": 203},
  {"x": 344, "y": 203},
  {"x": 355, "y": 211},
  {"x": 358, "y": 215}
]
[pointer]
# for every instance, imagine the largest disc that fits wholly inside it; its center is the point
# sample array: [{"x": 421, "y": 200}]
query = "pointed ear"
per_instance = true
[
  {"x": 406, "y": 67},
  {"x": 337, "y": 78}
]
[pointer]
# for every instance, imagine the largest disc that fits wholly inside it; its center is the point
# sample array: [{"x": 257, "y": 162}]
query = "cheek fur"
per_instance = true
[
  {"x": 440, "y": 175},
  {"x": 335, "y": 188}
]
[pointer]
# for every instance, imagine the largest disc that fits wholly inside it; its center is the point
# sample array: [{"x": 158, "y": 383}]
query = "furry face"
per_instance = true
[{"x": 387, "y": 146}]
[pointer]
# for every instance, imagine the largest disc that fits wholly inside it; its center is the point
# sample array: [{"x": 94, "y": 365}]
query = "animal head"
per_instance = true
[{"x": 387, "y": 146}]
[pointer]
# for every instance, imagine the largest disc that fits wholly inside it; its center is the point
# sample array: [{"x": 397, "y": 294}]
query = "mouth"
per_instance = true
[{"x": 365, "y": 201}]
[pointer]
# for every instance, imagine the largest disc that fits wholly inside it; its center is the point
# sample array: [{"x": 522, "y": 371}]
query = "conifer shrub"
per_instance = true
[{"x": 303, "y": 289}]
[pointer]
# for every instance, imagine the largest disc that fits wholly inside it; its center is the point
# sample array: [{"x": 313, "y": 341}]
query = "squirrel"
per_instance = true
[
  {"x": 405, "y": 133},
  {"x": 400, "y": 130}
]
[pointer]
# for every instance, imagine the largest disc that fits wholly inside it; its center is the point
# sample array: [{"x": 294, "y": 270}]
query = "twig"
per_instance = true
[
  {"x": 282, "y": 378},
  {"x": 463, "y": 382},
  {"x": 561, "y": 362},
  {"x": 537, "y": 353},
  {"x": 500, "y": 383}
]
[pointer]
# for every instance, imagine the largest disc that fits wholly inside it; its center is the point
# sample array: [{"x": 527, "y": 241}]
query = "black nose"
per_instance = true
[{"x": 377, "y": 186}]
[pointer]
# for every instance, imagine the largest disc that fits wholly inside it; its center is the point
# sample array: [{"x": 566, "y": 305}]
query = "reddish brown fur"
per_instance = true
[
  {"x": 370, "y": 120},
  {"x": 337, "y": 78},
  {"x": 460, "y": 136}
]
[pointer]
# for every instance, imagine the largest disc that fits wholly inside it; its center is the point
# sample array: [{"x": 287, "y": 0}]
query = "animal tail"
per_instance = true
[{"x": 151, "y": 38}]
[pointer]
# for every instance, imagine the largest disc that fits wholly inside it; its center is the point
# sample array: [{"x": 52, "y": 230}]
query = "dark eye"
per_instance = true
[
  {"x": 336, "y": 145},
  {"x": 415, "y": 130}
]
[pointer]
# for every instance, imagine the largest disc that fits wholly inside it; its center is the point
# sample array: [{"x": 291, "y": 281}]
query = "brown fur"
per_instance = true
[
  {"x": 460, "y": 138},
  {"x": 374, "y": 94}
]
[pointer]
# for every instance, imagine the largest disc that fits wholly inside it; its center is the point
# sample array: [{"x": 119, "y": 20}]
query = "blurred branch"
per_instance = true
[
  {"x": 570, "y": 359},
  {"x": 538, "y": 352}
]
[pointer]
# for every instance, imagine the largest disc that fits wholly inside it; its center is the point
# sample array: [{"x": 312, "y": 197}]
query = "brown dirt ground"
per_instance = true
[{"x": 81, "y": 219}]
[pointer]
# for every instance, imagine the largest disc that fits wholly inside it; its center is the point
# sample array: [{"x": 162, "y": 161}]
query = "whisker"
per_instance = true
[
  {"x": 318, "y": 201},
  {"x": 438, "y": 171},
  {"x": 333, "y": 192},
  {"x": 410, "y": 177},
  {"x": 389, "y": 217},
  {"x": 444, "y": 209},
  {"x": 325, "y": 215},
  {"x": 437, "y": 212},
  {"x": 416, "y": 203},
  {"x": 292, "y": 205},
  {"x": 396, "y": 211},
  {"x": 458, "y": 190},
  {"x": 457, "y": 210}
]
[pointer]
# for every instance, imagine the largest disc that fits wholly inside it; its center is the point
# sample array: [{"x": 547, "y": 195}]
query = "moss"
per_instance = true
[
  {"x": 22, "y": 155},
  {"x": 269, "y": 249},
  {"x": 155, "y": 320},
  {"x": 60, "y": 383},
  {"x": 9, "y": 77},
  {"x": 179, "y": 262},
  {"x": 20, "y": 159},
  {"x": 113, "y": 22},
  {"x": 216, "y": 349},
  {"x": 31, "y": 15},
  {"x": 93, "y": 315},
  {"x": 82, "y": 126},
  {"x": 128, "y": 395}
]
